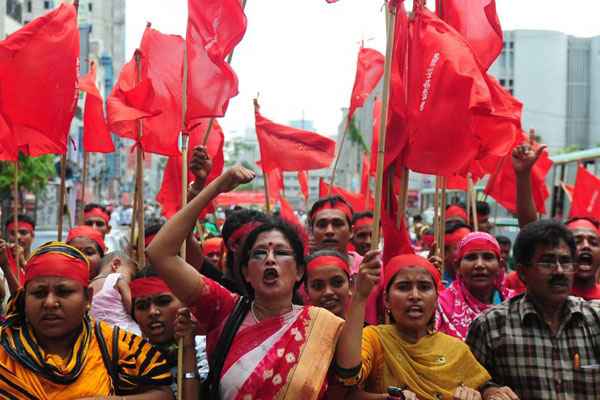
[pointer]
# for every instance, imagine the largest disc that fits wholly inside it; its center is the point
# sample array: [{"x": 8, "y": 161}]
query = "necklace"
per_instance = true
[{"x": 253, "y": 312}]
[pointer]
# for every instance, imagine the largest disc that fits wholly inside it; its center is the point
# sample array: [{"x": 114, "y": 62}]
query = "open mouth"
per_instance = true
[
  {"x": 157, "y": 327},
  {"x": 270, "y": 276},
  {"x": 415, "y": 311},
  {"x": 585, "y": 261},
  {"x": 51, "y": 318}
]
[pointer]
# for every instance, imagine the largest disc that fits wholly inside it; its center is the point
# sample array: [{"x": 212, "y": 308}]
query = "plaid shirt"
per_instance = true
[{"x": 513, "y": 342}]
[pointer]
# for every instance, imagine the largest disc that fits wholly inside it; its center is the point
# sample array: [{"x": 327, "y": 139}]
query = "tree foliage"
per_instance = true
[
  {"x": 34, "y": 174},
  {"x": 355, "y": 135}
]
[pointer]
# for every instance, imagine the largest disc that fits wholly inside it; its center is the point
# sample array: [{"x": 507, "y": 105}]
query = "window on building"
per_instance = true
[
  {"x": 29, "y": 6},
  {"x": 46, "y": 5},
  {"x": 503, "y": 82},
  {"x": 25, "y": 22},
  {"x": 90, "y": 7},
  {"x": 511, "y": 82}
]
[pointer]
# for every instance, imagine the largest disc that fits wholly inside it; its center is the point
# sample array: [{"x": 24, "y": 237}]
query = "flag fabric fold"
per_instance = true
[
  {"x": 586, "y": 195},
  {"x": 369, "y": 70},
  {"x": 358, "y": 201},
  {"x": 214, "y": 28},
  {"x": 303, "y": 183},
  {"x": 291, "y": 149},
  {"x": 96, "y": 136},
  {"x": 38, "y": 95}
]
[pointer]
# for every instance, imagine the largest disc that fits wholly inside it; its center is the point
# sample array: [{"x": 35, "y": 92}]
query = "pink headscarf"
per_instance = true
[{"x": 457, "y": 307}]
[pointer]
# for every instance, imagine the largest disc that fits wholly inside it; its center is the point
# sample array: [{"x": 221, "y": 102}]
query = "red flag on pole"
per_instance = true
[
  {"x": 38, "y": 94},
  {"x": 286, "y": 212},
  {"x": 291, "y": 149},
  {"x": 568, "y": 189},
  {"x": 478, "y": 22},
  {"x": 303, "y": 182},
  {"x": 169, "y": 195},
  {"x": 214, "y": 28},
  {"x": 96, "y": 136},
  {"x": 369, "y": 70},
  {"x": 586, "y": 195},
  {"x": 156, "y": 99},
  {"x": 356, "y": 200},
  {"x": 396, "y": 240}
]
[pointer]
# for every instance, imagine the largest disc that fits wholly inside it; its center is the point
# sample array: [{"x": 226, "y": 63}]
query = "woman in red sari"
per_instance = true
[{"x": 276, "y": 350}]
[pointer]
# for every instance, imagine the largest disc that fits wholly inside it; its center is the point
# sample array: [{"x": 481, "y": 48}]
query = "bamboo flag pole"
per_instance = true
[
  {"x": 212, "y": 120},
  {"x": 141, "y": 257},
  {"x": 473, "y": 201},
  {"x": 337, "y": 158},
  {"x": 390, "y": 13},
  {"x": 402, "y": 197},
  {"x": 16, "y": 218},
  {"x": 267, "y": 200},
  {"x": 436, "y": 215},
  {"x": 443, "y": 187},
  {"x": 63, "y": 189},
  {"x": 84, "y": 178}
]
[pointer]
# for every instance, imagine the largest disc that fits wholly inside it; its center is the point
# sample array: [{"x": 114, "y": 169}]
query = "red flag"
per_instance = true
[
  {"x": 502, "y": 183},
  {"x": 478, "y": 22},
  {"x": 369, "y": 70},
  {"x": 286, "y": 212},
  {"x": 96, "y": 136},
  {"x": 569, "y": 190},
  {"x": 169, "y": 195},
  {"x": 303, "y": 182},
  {"x": 38, "y": 94},
  {"x": 156, "y": 99},
  {"x": 291, "y": 149},
  {"x": 586, "y": 195},
  {"x": 396, "y": 240},
  {"x": 446, "y": 86},
  {"x": 366, "y": 168},
  {"x": 241, "y": 198},
  {"x": 214, "y": 28},
  {"x": 375, "y": 139},
  {"x": 274, "y": 184},
  {"x": 356, "y": 200},
  {"x": 457, "y": 182}
]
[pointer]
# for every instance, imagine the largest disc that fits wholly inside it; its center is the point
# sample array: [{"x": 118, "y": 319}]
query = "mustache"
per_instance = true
[{"x": 559, "y": 280}]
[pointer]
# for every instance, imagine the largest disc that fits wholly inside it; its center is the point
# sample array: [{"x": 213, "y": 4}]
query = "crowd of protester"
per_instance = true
[{"x": 266, "y": 309}]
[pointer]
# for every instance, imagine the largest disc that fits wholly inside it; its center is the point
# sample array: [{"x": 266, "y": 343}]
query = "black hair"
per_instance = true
[
  {"x": 272, "y": 224},
  {"x": 332, "y": 201},
  {"x": 454, "y": 225},
  {"x": 360, "y": 215},
  {"x": 504, "y": 240},
  {"x": 236, "y": 219},
  {"x": 417, "y": 218},
  {"x": 20, "y": 218},
  {"x": 544, "y": 232},
  {"x": 90, "y": 206},
  {"x": 483, "y": 208},
  {"x": 153, "y": 228}
]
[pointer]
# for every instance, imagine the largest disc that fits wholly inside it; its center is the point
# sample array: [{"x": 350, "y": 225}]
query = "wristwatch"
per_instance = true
[{"x": 190, "y": 375}]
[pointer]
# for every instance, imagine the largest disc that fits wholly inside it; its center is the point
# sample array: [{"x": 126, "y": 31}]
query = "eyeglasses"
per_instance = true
[
  {"x": 279, "y": 254},
  {"x": 99, "y": 224},
  {"x": 550, "y": 264}
]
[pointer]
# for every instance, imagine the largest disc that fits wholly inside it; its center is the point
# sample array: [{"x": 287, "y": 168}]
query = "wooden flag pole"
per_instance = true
[
  {"x": 337, "y": 158},
  {"x": 84, "y": 178},
  {"x": 390, "y": 13},
  {"x": 229, "y": 59},
  {"x": 436, "y": 215},
  {"x": 473, "y": 200},
  {"x": 402, "y": 197},
  {"x": 141, "y": 257},
  {"x": 443, "y": 186},
  {"x": 267, "y": 200},
  {"x": 16, "y": 218},
  {"x": 63, "y": 189}
]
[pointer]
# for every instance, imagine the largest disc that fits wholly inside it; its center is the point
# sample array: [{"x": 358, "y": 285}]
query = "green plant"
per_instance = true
[{"x": 34, "y": 173}]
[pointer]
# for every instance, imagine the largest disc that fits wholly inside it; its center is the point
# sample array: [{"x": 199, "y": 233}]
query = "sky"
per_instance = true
[{"x": 299, "y": 56}]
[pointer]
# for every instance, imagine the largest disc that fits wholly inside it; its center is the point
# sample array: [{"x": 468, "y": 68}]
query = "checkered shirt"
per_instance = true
[{"x": 513, "y": 342}]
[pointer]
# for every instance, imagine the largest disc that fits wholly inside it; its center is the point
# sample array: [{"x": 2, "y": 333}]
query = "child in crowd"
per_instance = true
[{"x": 111, "y": 302}]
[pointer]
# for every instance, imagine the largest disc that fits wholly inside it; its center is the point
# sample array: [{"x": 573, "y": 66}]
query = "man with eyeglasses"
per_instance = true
[{"x": 543, "y": 344}]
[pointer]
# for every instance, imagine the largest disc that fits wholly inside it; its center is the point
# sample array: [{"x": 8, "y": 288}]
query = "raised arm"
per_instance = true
[
  {"x": 163, "y": 252},
  {"x": 523, "y": 160}
]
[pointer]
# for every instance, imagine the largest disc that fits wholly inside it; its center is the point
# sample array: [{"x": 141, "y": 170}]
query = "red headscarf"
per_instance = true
[
  {"x": 87, "y": 232},
  {"x": 454, "y": 212},
  {"x": 212, "y": 245},
  {"x": 478, "y": 241},
  {"x": 328, "y": 261},
  {"x": 341, "y": 206},
  {"x": 20, "y": 225},
  {"x": 455, "y": 237},
  {"x": 404, "y": 261},
  {"x": 583, "y": 223},
  {"x": 364, "y": 221},
  {"x": 97, "y": 212},
  {"x": 58, "y": 259},
  {"x": 144, "y": 287}
]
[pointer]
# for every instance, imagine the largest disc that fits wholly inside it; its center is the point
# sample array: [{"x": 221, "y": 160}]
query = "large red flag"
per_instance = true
[
  {"x": 169, "y": 195},
  {"x": 478, "y": 22},
  {"x": 356, "y": 200},
  {"x": 96, "y": 136},
  {"x": 446, "y": 86},
  {"x": 291, "y": 149},
  {"x": 156, "y": 99},
  {"x": 214, "y": 28},
  {"x": 286, "y": 212},
  {"x": 503, "y": 182},
  {"x": 586, "y": 195},
  {"x": 396, "y": 239},
  {"x": 369, "y": 70},
  {"x": 38, "y": 94},
  {"x": 303, "y": 182}
]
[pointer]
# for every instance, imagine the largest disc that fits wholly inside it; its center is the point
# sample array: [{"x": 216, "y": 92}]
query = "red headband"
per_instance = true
[
  {"x": 144, "y": 287},
  {"x": 57, "y": 264},
  {"x": 404, "y": 261},
  {"x": 212, "y": 245},
  {"x": 478, "y": 241},
  {"x": 240, "y": 233},
  {"x": 97, "y": 212},
  {"x": 148, "y": 239},
  {"x": 583, "y": 224},
  {"x": 455, "y": 211},
  {"x": 364, "y": 221},
  {"x": 456, "y": 236},
  {"x": 87, "y": 232},
  {"x": 328, "y": 261},
  {"x": 343, "y": 207},
  {"x": 20, "y": 225}
]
